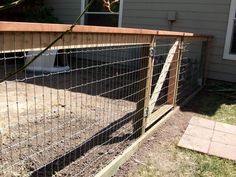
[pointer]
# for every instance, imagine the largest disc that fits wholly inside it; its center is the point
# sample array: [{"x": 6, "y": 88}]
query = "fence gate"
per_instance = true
[{"x": 162, "y": 82}]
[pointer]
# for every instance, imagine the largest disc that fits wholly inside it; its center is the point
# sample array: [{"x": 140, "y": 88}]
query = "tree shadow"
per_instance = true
[
  {"x": 107, "y": 79},
  {"x": 105, "y": 136},
  {"x": 210, "y": 99}
]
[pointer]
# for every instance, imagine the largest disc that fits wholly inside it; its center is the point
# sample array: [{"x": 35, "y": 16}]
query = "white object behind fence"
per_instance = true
[{"x": 44, "y": 63}]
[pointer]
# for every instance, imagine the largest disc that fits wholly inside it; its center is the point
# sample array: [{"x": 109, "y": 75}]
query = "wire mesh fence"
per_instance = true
[
  {"x": 161, "y": 69},
  {"x": 74, "y": 109},
  {"x": 191, "y": 70}
]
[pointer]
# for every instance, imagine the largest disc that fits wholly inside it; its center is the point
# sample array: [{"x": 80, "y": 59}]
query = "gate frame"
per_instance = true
[
  {"x": 162, "y": 114},
  {"x": 174, "y": 57}
]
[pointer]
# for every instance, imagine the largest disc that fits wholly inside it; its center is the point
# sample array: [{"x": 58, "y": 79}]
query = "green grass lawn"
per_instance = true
[
  {"x": 211, "y": 104},
  {"x": 204, "y": 165},
  {"x": 218, "y": 106}
]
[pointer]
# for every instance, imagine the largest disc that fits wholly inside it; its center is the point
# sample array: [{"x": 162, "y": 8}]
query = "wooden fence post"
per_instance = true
[
  {"x": 146, "y": 86},
  {"x": 174, "y": 75},
  {"x": 204, "y": 61}
]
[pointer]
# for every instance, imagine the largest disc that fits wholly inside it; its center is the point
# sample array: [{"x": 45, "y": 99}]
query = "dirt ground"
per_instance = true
[
  {"x": 40, "y": 130},
  {"x": 52, "y": 127}
]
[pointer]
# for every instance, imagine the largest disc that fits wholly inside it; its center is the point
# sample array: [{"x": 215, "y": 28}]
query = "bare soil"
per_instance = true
[{"x": 51, "y": 127}]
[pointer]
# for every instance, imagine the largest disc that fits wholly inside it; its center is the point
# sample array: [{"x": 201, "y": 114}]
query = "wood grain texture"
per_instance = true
[
  {"x": 27, "y": 41},
  {"x": 46, "y": 27}
]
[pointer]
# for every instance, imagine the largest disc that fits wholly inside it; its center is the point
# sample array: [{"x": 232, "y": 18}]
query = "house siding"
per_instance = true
[
  {"x": 65, "y": 11},
  {"x": 202, "y": 16}
]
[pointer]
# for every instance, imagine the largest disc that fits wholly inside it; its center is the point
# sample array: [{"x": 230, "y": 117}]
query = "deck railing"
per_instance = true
[{"x": 92, "y": 94}]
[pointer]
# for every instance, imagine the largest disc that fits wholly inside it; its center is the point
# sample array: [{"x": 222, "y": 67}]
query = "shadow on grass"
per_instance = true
[{"x": 211, "y": 100}]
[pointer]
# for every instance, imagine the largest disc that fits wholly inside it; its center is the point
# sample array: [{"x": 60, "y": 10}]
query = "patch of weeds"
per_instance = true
[
  {"x": 208, "y": 166},
  {"x": 186, "y": 165},
  {"x": 225, "y": 113},
  {"x": 147, "y": 170},
  {"x": 213, "y": 166}
]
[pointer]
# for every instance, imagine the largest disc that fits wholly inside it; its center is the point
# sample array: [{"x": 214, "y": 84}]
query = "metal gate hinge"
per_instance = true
[{"x": 146, "y": 110}]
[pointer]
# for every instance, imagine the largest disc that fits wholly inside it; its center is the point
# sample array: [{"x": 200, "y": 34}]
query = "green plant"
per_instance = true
[
  {"x": 28, "y": 11},
  {"x": 209, "y": 166}
]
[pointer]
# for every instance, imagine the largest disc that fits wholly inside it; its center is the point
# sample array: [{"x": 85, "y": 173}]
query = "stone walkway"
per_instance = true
[{"x": 210, "y": 137}]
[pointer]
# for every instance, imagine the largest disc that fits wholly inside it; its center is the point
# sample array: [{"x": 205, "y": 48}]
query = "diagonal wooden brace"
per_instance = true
[{"x": 171, "y": 58}]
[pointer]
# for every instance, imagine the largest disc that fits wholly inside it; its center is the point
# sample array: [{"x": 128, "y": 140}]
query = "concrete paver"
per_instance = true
[{"x": 210, "y": 137}]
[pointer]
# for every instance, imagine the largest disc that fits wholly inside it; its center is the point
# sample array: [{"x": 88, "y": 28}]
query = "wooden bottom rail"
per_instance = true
[{"x": 158, "y": 114}]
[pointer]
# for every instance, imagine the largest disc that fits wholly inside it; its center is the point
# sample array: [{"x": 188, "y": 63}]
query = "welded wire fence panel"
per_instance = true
[
  {"x": 71, "y": 111},
  {"x": 165, "y": 57},
  {"x": 176, "y": 74},
  {"x": 81, "y": 103},
  {"x": 191, "y": 70},
  {"x": 161, "y": 78}
]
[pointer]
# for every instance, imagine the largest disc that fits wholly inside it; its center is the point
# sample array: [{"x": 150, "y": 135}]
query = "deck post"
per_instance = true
[{"x": 204, "y": 61}]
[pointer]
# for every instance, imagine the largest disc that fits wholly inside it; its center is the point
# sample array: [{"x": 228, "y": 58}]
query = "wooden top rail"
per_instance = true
[
  {"x": 46, "y": 27},
  {"x": 19, "y": 36}
]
